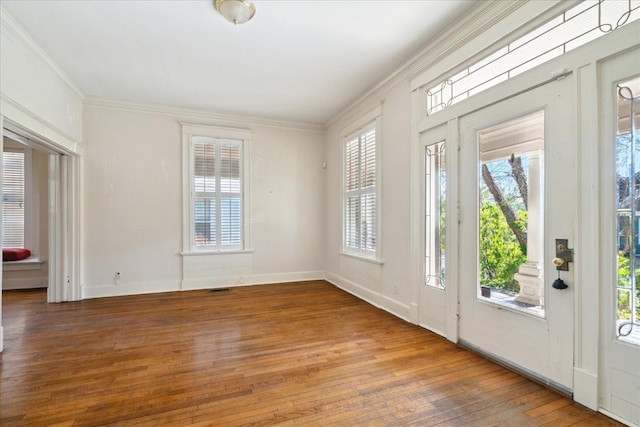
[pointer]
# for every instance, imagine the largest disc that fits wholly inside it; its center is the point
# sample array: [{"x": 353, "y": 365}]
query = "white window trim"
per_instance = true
[
  {"x": 30, "y": 263},
  {"x": 31, "y": 201},
  {"x": 244, "y": 135},
  {"x": 373, "y": 116}
]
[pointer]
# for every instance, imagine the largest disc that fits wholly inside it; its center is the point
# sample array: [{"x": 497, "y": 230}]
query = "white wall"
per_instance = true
[
  {"x": 375, "y": 283},
  {"x": 391, "y": 285},
  {"x": 386, "y": 285},
  {"x": 133, "y": 204},
  {"x": 36, "y": 94}
]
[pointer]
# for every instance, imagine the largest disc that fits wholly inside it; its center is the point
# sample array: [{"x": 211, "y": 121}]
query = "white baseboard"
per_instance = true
[
  {"x": 618, "y": 418},
  {"x": 136, "y": 288},
  {"x": 373, "y": 298},
  {"x": 27, "y": 283},
  {"x": 122, "y": 289},
  {"x": 396, "y": 308},
  {"x": 376, "y": 299},
  {"x": 585, "y": 388},
  {"x": 413, "y": 313},
  {"x": 255, "y": 279}
]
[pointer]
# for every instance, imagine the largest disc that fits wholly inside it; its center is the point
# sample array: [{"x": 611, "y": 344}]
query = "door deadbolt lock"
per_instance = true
[{"x": 564, "y": 255}]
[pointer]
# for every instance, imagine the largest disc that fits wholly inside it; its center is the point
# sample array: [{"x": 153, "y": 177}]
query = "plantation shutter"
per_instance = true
[
  {"x": 368, "y": 197},
  {"x": 360, "y": 191},
  {"x": 217, "y": 193},
  {"x": 230, "y": 195},
  {"x": 352, "y": 204},
  {"x": 12, "y": 199},
  {"x": 204, "y": 185}
]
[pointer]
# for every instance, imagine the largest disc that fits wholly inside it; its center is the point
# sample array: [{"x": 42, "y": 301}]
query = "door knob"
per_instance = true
[{"x": 564, "y": 255}]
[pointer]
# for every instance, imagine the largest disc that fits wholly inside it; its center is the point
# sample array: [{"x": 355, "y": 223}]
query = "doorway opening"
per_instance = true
[
  {"x": 25, "y": 213},
  {"x": 49, "y": 210}
]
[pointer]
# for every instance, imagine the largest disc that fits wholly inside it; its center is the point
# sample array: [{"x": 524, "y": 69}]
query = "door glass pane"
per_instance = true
[
  {"x": 510, "y": 214},
  {"x": 627, "y": 303},
  {"x": 435, "y": 214}
]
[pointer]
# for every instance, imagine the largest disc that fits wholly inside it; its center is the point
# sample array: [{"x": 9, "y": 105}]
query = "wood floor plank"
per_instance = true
[{"x": 284, "y": 354}]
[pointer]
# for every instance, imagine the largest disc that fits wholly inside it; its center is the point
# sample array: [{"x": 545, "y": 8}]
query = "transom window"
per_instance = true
[{"x": 577, "y": 26}]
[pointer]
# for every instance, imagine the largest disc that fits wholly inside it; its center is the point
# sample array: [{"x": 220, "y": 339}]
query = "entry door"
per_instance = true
[
  {"x": 518, "y": 191},
  {"x": 619, "y": 374}
]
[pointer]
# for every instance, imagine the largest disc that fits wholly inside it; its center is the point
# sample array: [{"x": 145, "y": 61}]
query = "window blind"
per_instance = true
[
  {"x": 12, "y": 199},
  {"x": 360, "y": 194},
  {"x": 217, "y": 187}
]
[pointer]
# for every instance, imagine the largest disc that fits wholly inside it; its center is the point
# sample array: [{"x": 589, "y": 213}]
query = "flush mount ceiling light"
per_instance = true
[{"x": 236, "y": 11}]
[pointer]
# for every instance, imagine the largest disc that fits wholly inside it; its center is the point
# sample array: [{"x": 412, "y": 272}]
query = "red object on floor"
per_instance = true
[{"x": 15, "y": 254}]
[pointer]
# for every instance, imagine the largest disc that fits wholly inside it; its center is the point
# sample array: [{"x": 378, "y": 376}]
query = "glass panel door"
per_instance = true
[
  {"x": 619, "y": 375},
  {"x": 518, "y": 177}
]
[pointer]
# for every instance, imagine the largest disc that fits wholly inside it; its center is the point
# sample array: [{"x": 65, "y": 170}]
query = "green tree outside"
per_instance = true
[{"x": 500, "y": 253}]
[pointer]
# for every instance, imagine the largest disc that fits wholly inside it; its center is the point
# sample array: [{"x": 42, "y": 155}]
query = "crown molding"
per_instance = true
[
  {"x": 486, "y": 15},
  {"x": 23, "y": 121},
  {"x": 478, "y": 19},
  {"x": 502, "y": 25},
  {"x": 12, "y": 29},
  {"x": 190, "y": 114}
]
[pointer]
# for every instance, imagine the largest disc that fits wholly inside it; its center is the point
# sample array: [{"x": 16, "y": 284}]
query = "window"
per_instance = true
[
  {"x": 13, "y": 198},
  {"x": 361, "y": 192},
  {"x": 511, "y": 193},
  {"x": 215, "y": 181},
  {"x": 627, "y": 186},
  {"x": 584, "y": 22},
  {"x": 435, "y": 214}
]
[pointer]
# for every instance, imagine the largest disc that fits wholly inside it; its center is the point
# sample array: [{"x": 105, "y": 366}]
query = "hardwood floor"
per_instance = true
[{"x": 287, "y": 354}]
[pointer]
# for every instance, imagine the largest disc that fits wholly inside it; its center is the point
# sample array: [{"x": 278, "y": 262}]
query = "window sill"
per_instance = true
[
  {"x": 507, "y": 302},
  {"x": 22, "y": 265},
  {"x": 199, "y": 253},
  {"x": 361, "y": 258}
]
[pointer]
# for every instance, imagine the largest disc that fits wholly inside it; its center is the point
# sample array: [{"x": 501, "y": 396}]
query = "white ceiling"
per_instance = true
[{"x": 300, "y": 61}]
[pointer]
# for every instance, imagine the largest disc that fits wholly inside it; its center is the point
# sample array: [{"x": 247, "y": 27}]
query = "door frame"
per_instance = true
[
  {"x": 582, "y": 62},
  {"x": 613, "y": 352},
  {"x": 64, "y": 215},
  {"x": 445, "y": 322}
]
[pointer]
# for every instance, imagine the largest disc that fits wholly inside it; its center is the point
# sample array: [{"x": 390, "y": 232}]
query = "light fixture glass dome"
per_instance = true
[{"x": 236, "y": 11}]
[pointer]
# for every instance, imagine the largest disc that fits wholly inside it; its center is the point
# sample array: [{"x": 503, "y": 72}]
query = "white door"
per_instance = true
[
  {"x": 619, "y": 391},
  {"x": 517, "y": 194}
]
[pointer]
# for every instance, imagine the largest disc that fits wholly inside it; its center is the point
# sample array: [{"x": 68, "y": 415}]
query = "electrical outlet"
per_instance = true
[
  {"x": 118, "y": 275},
  {"x": 395, "y": 289}
]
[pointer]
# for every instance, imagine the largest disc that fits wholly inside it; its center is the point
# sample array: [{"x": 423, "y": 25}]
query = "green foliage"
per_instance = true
[
  {"x": 500, "y": 253},
  {"x": 624, "y": 295}
]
